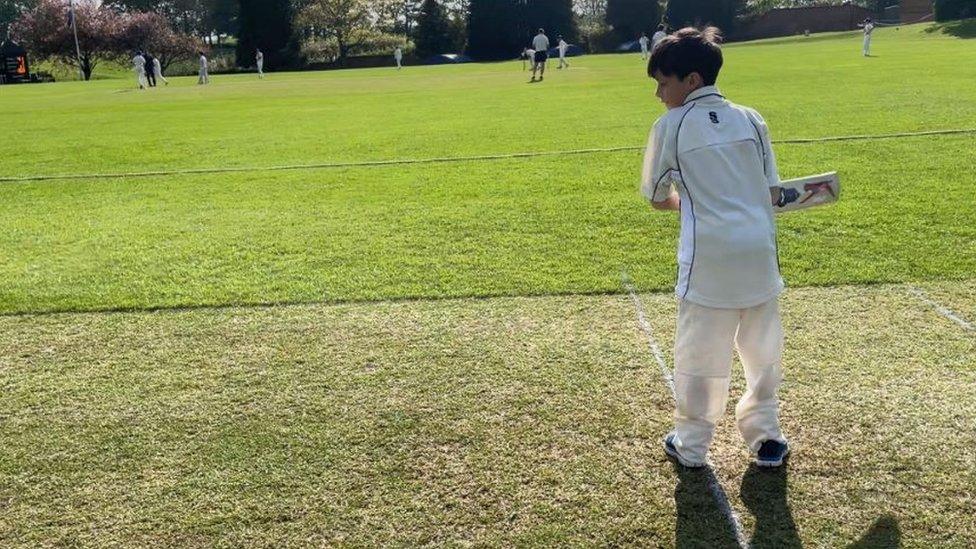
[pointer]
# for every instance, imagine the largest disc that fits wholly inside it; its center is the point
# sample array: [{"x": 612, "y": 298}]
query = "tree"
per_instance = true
[
  {"x": 433, "y": 33},
  {"x": 718, "y": 13},
  {"x": 395, "y": 16},
  {"x": 186, "y": 16},
  {"x": 946, "y": 10},
  {"x": 266, "y": 25},
  {"x": 46, "y": 32},
  {"x": 222, "y": 17},
  {"x": 555, "y": 16},
  {"x": 629, "y": 18},
  {"x": 152, "y": 32},
  {"x": 347, "y": 23},
  {"x": 496, "y": 29},
  {"x": 10, "y": 11}
]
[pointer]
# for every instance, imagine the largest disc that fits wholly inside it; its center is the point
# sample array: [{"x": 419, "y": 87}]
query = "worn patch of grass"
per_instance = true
[{"x": 504, "y": 421}]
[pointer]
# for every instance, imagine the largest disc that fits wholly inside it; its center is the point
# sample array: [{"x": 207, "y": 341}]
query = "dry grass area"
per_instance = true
[{"x": 529, "y": 421}]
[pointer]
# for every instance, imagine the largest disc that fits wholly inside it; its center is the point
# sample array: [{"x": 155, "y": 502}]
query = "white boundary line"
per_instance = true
[
  {"x": 944, "y": 311},
  {"x": 711, "y": 481},
  {"x": 441, "y": 160}
]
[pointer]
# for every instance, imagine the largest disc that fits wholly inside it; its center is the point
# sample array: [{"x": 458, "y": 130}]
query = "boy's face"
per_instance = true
[{"x": 672, "y": 90}]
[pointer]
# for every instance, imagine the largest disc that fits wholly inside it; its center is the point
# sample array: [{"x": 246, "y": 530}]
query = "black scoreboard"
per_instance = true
[{"x": 13, "y": 64}]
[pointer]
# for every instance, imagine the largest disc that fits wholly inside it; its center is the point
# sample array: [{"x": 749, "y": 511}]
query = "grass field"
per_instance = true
[{"x": 442, "y": 354}]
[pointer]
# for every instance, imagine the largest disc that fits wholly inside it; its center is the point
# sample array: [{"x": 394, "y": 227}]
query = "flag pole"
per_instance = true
[{"x": 74, "y": 29}]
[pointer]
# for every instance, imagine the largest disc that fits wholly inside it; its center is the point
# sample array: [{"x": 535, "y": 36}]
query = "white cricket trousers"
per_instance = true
[
  {"x": 703, "y": 365},
  {"x": 867, "y": 44}
]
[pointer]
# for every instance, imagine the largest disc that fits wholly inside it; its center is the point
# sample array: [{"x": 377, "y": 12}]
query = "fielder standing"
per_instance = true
[
  {"x": 398, "y": 57},
  {"x": 139, "y": 65},
  {"x": 541, "y": 46},
  {"x": 868, "y": 29},
  {"x": 562, "y": 46},
  {"x": 204, "y": 73},
  {"x": 259, "y": 59},
  {"x": 158, "y": 71},
  {"x": 644, "y": 41}
]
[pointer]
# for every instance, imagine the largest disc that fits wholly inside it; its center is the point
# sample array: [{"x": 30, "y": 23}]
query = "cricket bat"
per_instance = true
[{"x": 809, "y": 192}]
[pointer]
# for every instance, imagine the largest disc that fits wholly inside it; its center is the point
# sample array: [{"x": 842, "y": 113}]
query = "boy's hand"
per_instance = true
[
  {"x": 672, "y": 202},
  {"x": 786, "y": 196}
]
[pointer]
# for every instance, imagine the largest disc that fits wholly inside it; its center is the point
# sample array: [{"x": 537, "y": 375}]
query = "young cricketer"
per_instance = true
[{"x": 711, "y": 160}]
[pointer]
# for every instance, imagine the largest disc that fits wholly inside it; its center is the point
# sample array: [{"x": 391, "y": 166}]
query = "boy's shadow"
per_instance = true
[
  {"x": 701, "y": 522},
  {"x": 763, "y": 492}
]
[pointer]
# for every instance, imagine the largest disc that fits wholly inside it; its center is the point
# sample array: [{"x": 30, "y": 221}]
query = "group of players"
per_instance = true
[
  {"x": 148, "y": 69},
  {"x": 538, "y": 54}
]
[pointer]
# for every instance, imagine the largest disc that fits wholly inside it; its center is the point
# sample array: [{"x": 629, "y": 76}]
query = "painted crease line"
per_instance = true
[
  {"x": 711, "y": 481},
  {"x": 944, "y": 311},
  {"x": 439, "y": 160}
]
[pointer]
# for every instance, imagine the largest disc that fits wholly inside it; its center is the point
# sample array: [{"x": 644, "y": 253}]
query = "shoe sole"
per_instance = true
[
  {"x": 682, "y": 461},
  {"x": 773, "y": 463}
]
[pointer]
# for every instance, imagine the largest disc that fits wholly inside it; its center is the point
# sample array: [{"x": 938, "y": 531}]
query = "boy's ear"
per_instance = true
[{"x": 695, "y": 80}]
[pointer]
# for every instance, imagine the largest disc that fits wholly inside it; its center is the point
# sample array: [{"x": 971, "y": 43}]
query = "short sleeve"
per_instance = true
[
  {"x": 769, "y": 158},
  {"x": 660, "y": 164}
]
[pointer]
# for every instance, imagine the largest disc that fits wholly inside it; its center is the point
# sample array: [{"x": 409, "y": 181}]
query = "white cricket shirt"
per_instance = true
[
  {"x": 718, "y": 157},
  {"x": 562, "y": 47},
  {"x": 643, "y": 42},
  {"x": 868, "y": 28},
  {"x": 540, "y": 43}
]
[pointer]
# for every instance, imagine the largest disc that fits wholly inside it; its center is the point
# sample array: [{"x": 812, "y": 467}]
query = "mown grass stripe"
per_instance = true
[{"x": 447, "y": 159}]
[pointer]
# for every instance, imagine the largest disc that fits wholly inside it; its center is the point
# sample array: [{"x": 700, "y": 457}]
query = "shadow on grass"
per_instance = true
[
  {"x": 700, "y": 521},
  {"x": 964, "y": 28},
  {"x": 764, "y": 493},
  {"x": 884, "y": 533}
]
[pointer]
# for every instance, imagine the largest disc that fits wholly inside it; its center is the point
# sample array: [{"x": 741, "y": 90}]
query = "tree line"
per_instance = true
[{"x": 292, "y": 33}]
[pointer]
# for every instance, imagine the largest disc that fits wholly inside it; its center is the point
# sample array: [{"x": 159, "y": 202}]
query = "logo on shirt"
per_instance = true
[{"x": 713, "y": 116}]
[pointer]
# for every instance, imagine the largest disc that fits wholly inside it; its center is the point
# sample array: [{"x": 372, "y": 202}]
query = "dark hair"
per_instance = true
[
  {"x": 686, "y": 51},
  {"x": 541, "y": 31}
]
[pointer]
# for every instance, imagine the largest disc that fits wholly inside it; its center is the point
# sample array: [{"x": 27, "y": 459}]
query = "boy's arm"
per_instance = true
[
  {"x": 660, "y": 169},
  {"x": 778, "y": 195}
]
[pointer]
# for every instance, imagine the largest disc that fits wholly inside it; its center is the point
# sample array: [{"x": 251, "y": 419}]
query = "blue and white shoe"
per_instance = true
[
  {"x": 772, "y": 453},
  {"x": 672, "y": 451}
]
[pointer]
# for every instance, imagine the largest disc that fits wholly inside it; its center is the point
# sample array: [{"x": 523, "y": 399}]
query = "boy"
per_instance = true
[
  {"x": 643, "y": 41},
  {"x": 528, "y": 55},
  {"x": 541, "y": 46},
  {"x": 139, "y": 65},
  {"x": 398, "y": 57},
  {"x": 718, "y": 157},
  {"x": 158, "y": 71},
  {"x": 259, "y": 59},
  {"x": 868, "y": 29},
  {"x": 148, "y": 63},
  {"x": 562, "y": 46},
  {"x": 204, "y": 77}
]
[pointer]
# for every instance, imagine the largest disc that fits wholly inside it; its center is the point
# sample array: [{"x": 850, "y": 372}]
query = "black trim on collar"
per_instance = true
[{"x": 703, "y": 96}]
